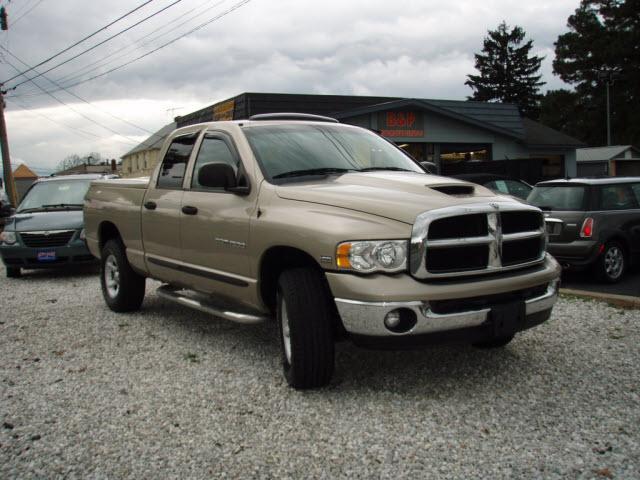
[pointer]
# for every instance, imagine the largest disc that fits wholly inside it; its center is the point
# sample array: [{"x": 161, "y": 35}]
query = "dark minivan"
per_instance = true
[
  {"x": 47, "y": 229},
  {"x": 592, "y": 222}
]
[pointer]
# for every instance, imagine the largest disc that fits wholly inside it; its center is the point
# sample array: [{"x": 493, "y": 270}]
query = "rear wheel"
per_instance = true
[
  {"x": 122, "y": 288},
  {"x": 14, "y": 272},
  {"x": 612, "y": 262},
  {"x": 305, "y": 322}
]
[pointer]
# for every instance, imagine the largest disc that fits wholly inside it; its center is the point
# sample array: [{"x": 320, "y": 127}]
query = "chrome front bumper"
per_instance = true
[{"x": 367, "y": 318}]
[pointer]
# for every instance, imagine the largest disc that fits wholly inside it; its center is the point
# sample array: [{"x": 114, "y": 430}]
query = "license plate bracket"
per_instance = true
[
  {"x": 46, "y": 256},
  {"x": 508, "y": 318}
]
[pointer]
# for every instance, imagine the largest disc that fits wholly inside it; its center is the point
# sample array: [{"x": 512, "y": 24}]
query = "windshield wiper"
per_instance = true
[
  {"x": 63, "y": 205},
  {"x": 312, "y": 171},
  {"x": 394, "y": 169}
]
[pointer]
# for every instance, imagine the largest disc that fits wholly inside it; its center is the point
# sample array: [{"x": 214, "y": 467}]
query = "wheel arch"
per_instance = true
[
  {"x": 276, "y": 260},
  {"x": 622, "y": 240},
  {"x": 108, "y": 231}
]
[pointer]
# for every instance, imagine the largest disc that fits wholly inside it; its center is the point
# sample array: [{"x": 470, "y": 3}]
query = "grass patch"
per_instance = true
[{"x": 192, "y": 357}]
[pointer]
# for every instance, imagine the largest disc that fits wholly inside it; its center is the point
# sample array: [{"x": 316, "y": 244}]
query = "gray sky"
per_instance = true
[{"x": 361, "y": 47}]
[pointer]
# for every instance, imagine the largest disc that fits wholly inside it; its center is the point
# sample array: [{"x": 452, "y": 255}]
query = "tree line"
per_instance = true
[{"x": 602, "y": 47}]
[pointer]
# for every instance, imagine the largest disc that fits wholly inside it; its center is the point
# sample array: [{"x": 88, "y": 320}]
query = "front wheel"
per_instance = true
[
  {"x": 14, "y": 272},
  {"x": 612, "y": 263},
  {"x": 122, "y": 288},
  {"x": 306, "y": 323}
]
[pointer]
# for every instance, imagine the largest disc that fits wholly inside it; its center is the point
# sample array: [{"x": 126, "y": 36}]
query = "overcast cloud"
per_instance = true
[{"x": 370, "y": 47}]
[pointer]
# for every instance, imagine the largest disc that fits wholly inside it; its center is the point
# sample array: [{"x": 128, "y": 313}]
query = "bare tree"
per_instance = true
[{"x": 92, "y": 158}]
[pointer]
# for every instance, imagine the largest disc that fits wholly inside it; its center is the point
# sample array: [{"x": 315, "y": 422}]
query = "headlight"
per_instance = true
[
  {"x": 372, "y": 256},
  {"x": 82, "y": 235},
  {"x": 8, "y": 237}
]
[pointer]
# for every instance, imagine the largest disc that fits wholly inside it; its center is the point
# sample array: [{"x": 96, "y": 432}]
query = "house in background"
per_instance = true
[
  {"x": 458, "y": 136},
  {"x": 23, "y": 177},
  {"x": 106, "y": 167},
  {"x": 141, "y": 160},
  {"x": 613, "y": 161}
]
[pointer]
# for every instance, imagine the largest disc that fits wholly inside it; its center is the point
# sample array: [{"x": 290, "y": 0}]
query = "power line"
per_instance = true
[
  {"x": 75, "y": 95},
  {"x": 133, "y": 142},
  {"x": 101, "y": 61},
  {"x": 93, "y": 47},
  {"x": 200, "y": 26},
  {"x": 81, "y": 40},
  {"x": 26, "y": 13},
  {"x": 74, "y": 129}
]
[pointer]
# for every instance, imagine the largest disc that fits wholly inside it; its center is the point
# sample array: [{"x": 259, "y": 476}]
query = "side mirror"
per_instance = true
[
  {"x": 429, "y": 167},
  {"x": 220, "y": 175}
]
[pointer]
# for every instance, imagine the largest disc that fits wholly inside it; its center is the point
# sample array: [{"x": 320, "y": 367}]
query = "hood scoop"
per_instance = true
[{"x": 454, "y": 190}]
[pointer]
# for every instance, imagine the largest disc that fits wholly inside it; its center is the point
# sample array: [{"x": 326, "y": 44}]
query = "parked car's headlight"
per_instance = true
[
  {"x": 82, "y": 235},
  {"x": 8, "y": 237},
  {"x": 372, "y": 256}
]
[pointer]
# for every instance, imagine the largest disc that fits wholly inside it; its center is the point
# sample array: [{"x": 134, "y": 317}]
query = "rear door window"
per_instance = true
[
  {"x": 617, "y": 197},
  {"x": 175, "y": 161},
  {"x": 558, "y": 197}
]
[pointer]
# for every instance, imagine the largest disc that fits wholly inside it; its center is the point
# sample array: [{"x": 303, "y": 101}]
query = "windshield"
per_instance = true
[
  {"x": 55, "y": 194},
  {"x": 558, "y": 197},
  {"x": 318, "y": 149}
]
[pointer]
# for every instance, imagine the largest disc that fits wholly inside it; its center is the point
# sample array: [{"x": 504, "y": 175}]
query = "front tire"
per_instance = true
[
  {"x": 305, "y": 320},
  {"x": 122, "y": 288},
  {"x": 14, "y": 272},
  {"x": 612, "y": 263}
]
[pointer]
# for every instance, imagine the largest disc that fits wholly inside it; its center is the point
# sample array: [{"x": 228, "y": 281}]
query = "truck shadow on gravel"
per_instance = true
[{"x": 442, "y": 370}]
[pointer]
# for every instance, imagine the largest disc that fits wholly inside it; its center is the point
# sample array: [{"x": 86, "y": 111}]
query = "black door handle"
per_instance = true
[
  {"x": 150, "y": 205},
  {"x": 188, "y": 210}
]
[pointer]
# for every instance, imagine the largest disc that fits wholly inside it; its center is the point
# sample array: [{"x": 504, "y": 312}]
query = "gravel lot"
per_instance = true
[{"x": 169, "y": 392}]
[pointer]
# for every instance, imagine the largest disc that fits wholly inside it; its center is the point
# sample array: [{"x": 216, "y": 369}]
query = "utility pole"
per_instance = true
[
  {"x": 608, "y": 77},
  {"x": 10, "y": 186},
  {"x": 608, "y": 116}
]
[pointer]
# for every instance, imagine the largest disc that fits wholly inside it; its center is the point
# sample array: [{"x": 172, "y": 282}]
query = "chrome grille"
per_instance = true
[
  {"x": 53, "y": 238},
  {"x": 476, "y": 239}
]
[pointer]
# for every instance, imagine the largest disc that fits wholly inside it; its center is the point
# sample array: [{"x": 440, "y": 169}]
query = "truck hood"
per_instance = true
[
  {"x": 397, "y": 195},
  {"x": 59, "y": 220}
]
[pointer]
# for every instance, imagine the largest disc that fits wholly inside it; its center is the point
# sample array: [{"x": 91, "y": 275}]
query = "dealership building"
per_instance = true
[{"x": 458, "y": 136}]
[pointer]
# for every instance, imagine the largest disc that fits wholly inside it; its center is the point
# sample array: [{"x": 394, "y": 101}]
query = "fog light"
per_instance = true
[
  {"x": 400, "y": 320},
  {"x": 392, "y": 319}
]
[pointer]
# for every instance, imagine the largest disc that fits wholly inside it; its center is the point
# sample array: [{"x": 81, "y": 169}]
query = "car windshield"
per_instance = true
[
  {"x": 510, "y": 187},
  {"x": 56, "y": 194},
  {"x": 558, "y": 197},
  {"x": 303, "y": 149}
]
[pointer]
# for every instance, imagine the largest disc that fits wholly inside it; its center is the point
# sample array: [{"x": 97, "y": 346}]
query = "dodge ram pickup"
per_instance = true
[{"x": 327, "y": 228}]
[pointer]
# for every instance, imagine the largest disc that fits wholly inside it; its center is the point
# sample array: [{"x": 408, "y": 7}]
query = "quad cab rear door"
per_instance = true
[{"x": 161, "y": 209}]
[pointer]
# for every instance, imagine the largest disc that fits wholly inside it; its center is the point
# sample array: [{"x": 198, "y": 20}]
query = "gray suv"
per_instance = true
[{"x": 592, "y": 222}]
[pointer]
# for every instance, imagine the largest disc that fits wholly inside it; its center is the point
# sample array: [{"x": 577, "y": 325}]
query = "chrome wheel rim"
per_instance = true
[
  {"x": 286, "y": 331},
  {"x": 613, "y": 262},
  {"x": 111, "y": 276}
]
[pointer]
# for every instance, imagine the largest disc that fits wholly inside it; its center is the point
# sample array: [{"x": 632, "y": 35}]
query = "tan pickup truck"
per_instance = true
[{"x": 329, "y": 229}]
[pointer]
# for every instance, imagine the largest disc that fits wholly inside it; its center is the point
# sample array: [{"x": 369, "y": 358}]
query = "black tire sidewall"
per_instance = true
[
  {"x": 602, "y": 268},
  {"x": 307, "y": 299},
  {"x": 286, "y": 365},
  {"x": 131, "y": 290},
  {"x": 14, "y": 272}
]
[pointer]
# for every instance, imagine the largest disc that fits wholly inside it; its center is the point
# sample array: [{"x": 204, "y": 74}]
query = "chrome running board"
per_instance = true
[{"x": 210, "y": 305}]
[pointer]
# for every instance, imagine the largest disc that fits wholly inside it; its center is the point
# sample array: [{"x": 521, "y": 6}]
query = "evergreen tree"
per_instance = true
[
  {"x": 507, "y": 71},
  {"x": 602, "y": 42}
]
